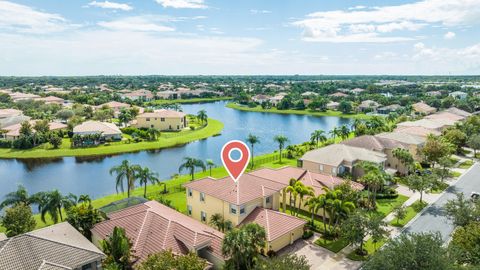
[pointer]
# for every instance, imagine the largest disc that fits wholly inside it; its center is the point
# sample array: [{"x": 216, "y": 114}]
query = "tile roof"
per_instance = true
[
  {"x": 457, "y": 111},
  {"x": 434, "y": 123},
  {"x": 163, "y": 114},
  {"x": 114, "y": 105},
  {"x": 31, "y": 252},
  {"x": 318, "y": 181},
  {"x": 373, "y": 143},
  {"x": 402, "y": 137},
  {"x": 153, "y": 227},
  {"x": 418, "y": 131},
  {"x": 14, "y": 130},
  {"x": 249, "y": 187},
  {"x": 97, "y": 127},
  {"x": 335, "y": 154},
  {"x": 9, "y": 113},
  {"x": 276, "y": 224},
  {"x": 423, "y": 107}
]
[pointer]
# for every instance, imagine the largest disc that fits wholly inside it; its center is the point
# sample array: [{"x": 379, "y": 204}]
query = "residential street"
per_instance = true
[{"x": 434, "y": 218}]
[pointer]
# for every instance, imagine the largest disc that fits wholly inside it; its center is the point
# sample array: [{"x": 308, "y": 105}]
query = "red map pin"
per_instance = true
[{"x": 235, "y": 167}]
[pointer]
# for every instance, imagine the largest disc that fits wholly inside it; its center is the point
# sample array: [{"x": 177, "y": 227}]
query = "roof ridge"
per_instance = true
[
  {"x": 166, "y": 234},
  {"x": 268, "y": 224},
  {"x": 54, "y": 264},
  {"x": 52, "y": 241},
  {"x": 141, "y": 228}
]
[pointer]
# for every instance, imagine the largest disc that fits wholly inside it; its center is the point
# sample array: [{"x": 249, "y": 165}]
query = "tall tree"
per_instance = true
[
  {"x": 344, "y": 132},
  {"x": 52, "y": 202},
  {"x": 210, "y": 164},
  {"x": 318, "y": 136},
  {"x": 167, "y": 260},
  {"x": 145, "y": 176},
  {"x": 125, "y": 172},
  {"x": 190, "y": 164},
  {"x": 83, "y": 217},
  {"x": 405, "y": 157},
  {"x": 461, "y": 210},
  {"x": 252, "y": 140},
  {"x": 202, "y": 116},
  {"x": 474, "y": 143},
  {"x": 281, "y": 141},
  {"x": 465, "y": 245},
  {"x": 421, "y": 183},
  {"x": 18, "y": 220},
  {"x": 435, "y": 148},
  {"x": 117, "y": 247},
  {"x": 20, "y": 196},
  {"x": 241, "y": 246}
]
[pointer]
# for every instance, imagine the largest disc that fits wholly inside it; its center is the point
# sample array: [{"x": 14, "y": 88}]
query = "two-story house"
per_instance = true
[{"x": 162, "y": 120}]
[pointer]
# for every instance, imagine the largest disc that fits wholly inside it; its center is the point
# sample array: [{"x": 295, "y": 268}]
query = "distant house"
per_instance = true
[
  {"x": 382, "y": 145},
  {"x": 9, "y": 117},
  {"x": 423, "y": 108},
  {"x": 368, "y": 105},
  {"x": 56, "y": 247},
  {"x": 337, "y": 159},
  {"x": 418, "y": 131},
  {"x": 458, "y": 95},
  {"x": 153, "y": 227},
  {"x": 52, "y": 100},
  {"x": 309, "y": 94},
  {"x": 261, "y": 98},
  {"x": 433, "y": 93},
  {"x": 389, "y": 109},
  {"x": 438, "y": 124},
  {"x": 357, "y": 91},
  {"x": 459, "y": 112},
  {"x": 168, "y": 94},
  {"x": 338, "y": 95},
  {"x": 116, "y": 106},
  {"x": 277, "y": 98},
  {"x": 162, "y": 120},
  {"x": 12, "y": 132},
  {"x": 141, "y": 94},
  {"x": 18, "y": 96},
  {"x": 414, "y": 142},
  {"x": 105, "y": 129},
  {"x": 332, "y": 105}
]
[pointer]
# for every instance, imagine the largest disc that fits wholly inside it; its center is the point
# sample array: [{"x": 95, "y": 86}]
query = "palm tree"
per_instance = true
[
  {"x": 293, "y": 194},
  {"x": 318, "y": 136},
  {"x": 356, "y": 122},
  {"x": 344, "y": 132},
  {"x": 281, "y": 140},
  {"x": 252, "y": 140},
  {"x": 127, "y": 172},
  {"x": 210, "y": 164},
  {"x": 219, "y": 222},
  {"x": 302, "y": 191},
  {"x": 52, "y": 202},
  {"x": 334, "y": 133},
  {"x": 153, "y": 133},
  {"x": 202, "y": 116},
  {"x": 84, "y": 199},
  {"x": 145, "y": 176},
  {"x": 117, "y": 247},
  {"x": 190, "y": 164},
  {"x": 20, "y": 196}
]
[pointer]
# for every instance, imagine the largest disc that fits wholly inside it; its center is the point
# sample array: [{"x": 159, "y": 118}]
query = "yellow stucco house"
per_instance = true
[
  {"x": 256, "y": 198},
  {"x": 162, "y": 120}
]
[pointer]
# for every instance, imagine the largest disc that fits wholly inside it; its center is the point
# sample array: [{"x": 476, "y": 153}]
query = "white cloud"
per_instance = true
[
  {"x": 24, "y": 19},
  {"x": 146, "y": 23},
  {"x": 182, "y": 3},
  {"x": 110, "y": 5},
  {"x": 446, "y": 60},
  {"x": 449, "y": 35},
  {"x": 371, "y": 25},
  {"x": 256, "y": 11}
]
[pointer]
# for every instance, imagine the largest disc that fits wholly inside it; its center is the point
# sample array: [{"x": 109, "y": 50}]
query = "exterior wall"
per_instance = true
[
  {"x": 394, "y": 163},
  {"x": 286, "y": 239},
  {"x": 316, "y": 168},
  {"x": 207, "y": 255},
  {"x": 162, "y": 123}
]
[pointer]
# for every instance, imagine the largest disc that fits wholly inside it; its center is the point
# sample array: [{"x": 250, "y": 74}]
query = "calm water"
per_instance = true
[{"x": 90, "y": 175}]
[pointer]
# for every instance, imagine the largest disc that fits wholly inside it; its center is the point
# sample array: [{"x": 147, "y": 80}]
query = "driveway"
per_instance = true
[
  {"x": 320, "y": 258},
  {"x": 434, "y": 218}
]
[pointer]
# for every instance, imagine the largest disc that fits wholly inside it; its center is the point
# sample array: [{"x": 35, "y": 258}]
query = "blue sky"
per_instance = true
[{"x": 189, "y": 37}]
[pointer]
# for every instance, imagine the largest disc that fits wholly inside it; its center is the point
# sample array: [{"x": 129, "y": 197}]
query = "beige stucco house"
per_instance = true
[
  {"x": 162, "y": 120},
  {"x": 105, "y": 129}
]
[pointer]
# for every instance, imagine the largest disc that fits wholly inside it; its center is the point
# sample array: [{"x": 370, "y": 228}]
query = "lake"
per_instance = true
[{"x": 90, "y": 175}]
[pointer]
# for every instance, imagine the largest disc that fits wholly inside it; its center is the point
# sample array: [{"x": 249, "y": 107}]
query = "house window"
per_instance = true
[
  {"x": 242, "y": 210},
  {"x": 233, "y": 209},
  {"x": 203, "y": 216},
  {"x": 189, "y": 209},
  {"x": 268, "y": 199},
  {"x": 169, "y": 126},
  {"x": 87, "y": 267},
  {"x": 162, "y": 119},
  {"x": 321, "y": 167},
  {"x": 202, "y": 196},
  {"x": 148, "y": 119},
  {"x": 178, "y": 127},
  {"x": 189, "y": 192},
  {"x": 334, "y": 170}
]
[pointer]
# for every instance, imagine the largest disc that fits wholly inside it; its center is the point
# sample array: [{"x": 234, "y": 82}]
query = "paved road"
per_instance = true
[{"x": 434, "y": 218}]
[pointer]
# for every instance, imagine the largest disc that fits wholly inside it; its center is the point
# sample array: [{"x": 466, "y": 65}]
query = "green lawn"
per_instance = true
[
  {"x": 385, "y": 206},
  {"x": 466, "y": 164},
  {"x": 187, "y": 101},
  {"x": 412, "y": 211},
  {"x": 166, "y": 139},
  {"x": 370, "y": 247},
  {"x": 305, "y": 112},
  {"x": 332, "y": 245}
]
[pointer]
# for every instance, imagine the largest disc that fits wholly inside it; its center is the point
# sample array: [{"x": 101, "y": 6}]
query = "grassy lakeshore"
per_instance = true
[
  {"x": 187, "y": 101},
  {"x": 301, "y": 112},
  {"x": 166, "y": 139}
]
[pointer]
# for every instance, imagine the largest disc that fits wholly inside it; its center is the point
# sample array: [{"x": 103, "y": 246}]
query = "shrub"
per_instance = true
[
  {"x": 271, "y": 253},
  {"x": 192, "y": 128},
  {"x": 5, "y": 144},
  {"x": 307, "y": 234}
]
